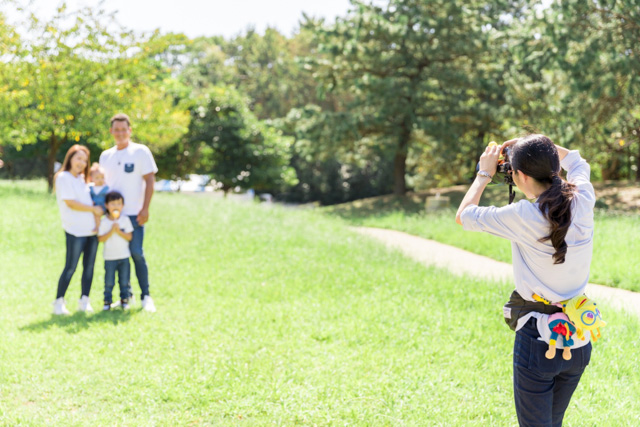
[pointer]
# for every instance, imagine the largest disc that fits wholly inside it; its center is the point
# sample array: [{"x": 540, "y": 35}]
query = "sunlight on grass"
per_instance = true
[{"x": 269, "y": 316}]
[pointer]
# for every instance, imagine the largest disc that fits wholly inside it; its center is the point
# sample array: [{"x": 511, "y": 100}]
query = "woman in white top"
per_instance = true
[
  {"x": 77, "y": 212},
  {"x": 552, "y": 243}
]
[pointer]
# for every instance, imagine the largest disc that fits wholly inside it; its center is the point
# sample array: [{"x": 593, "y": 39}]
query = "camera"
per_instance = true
[{"x": 503, "y": 171}]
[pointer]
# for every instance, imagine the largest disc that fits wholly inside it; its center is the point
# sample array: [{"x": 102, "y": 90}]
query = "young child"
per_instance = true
[
  {"x": 116, "y": 232},
  {"x": 98, "y": 189}
]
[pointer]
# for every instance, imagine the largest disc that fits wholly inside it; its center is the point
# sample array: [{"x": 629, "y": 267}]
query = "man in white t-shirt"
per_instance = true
[{"x": 130, "y": 170}]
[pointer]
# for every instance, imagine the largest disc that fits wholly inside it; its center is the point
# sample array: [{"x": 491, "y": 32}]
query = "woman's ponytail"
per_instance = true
[{"x": 555, "y": 205}]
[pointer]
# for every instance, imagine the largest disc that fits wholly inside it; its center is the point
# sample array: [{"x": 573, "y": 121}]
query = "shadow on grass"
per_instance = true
[{"x": 80, "y": 321}]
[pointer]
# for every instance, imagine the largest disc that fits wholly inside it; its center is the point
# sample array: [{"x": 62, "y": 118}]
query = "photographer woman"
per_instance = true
[{"x": 552, "y": 242}]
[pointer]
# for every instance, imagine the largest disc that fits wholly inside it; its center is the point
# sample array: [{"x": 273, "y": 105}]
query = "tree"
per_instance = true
[
  {"x": 603, "y": 60},
  {"x": 410, "y": 65},
  {"x": 71, "y": 74},
  {"x": 234, "y": 147},
  {"x": 9, "y": 45},
  {"x": 328, "y": 171},
  {"x": 264, "y": 67},
  {"x": 580, "y": 65}
]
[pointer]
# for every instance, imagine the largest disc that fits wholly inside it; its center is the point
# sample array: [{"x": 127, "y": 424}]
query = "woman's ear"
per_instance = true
[{"x": 522, "y": 176}]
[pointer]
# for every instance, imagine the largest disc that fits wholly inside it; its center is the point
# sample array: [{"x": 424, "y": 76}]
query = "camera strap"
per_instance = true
[{"x": 512, "y": 194}]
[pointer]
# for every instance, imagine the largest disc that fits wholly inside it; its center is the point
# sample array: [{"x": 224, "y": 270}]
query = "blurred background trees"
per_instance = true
[{"x": 395, "y": 96}]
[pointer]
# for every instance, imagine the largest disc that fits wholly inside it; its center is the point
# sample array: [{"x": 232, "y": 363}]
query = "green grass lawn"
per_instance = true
[
  {"x": 268, "y": 316},
  {"x": 616, "y": 240}
]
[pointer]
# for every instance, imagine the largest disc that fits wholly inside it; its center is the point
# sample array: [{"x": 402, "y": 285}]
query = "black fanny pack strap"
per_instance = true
[{"x": 517, "y": 307}]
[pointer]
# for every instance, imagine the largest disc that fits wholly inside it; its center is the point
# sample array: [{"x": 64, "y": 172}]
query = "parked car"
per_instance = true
[{"x": 166, "y": 185}]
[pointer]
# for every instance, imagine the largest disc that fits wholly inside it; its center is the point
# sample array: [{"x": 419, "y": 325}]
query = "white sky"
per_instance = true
[{"x": 204, "y": 17}]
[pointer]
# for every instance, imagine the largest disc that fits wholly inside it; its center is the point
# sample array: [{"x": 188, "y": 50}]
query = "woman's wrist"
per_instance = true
[{"x": 484, "y": 174}]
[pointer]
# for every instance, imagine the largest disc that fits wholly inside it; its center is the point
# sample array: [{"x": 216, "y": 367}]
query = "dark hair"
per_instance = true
[
  {"x": 66, "y": 163},
  {"x": 536, "y": 156},
  {"x": 113, "y": 195},
  {"x": 120, "y": 117}
]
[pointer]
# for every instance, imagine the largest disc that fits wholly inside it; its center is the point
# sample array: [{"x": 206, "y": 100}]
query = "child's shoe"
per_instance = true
[
  {"x": 106, "y": 306},
  {"x": 130, "y": 301},
  {"x": 148, "y": 305},
  {"x": 59, "y": 308},
  {"x": 124, "y": 303},
  {"x": 84, "y": 304}
]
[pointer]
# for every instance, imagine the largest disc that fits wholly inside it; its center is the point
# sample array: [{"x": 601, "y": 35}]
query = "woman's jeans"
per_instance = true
[
  {"x": 88, "y": 246},
  {"x": 123, "y": 268},
  {"x": 543, "y": 387},
  {"x": 135, "y": 246}
]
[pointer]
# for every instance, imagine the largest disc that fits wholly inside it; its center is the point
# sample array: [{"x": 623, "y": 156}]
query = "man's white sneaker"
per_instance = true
[
  {"x": 147, "y": 304},
  {"x": 59, "y": 308},
  {"x": 84, "y": 304}
]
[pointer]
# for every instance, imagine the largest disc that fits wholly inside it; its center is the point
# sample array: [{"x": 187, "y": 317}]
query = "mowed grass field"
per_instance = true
[
  {"x": 616, "y": 239},
  {"x": 269, "y": 316}
]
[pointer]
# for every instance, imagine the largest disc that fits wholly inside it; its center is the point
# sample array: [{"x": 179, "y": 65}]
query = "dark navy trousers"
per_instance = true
[
  {"x": 87, "y": 246},
  {"x": 543, "y": 387}
]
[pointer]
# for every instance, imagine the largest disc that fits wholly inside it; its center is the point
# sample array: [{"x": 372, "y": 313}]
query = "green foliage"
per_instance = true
[
  {"x": 328, "y": 170},
  {"x": 577, "y": 79},
  {"x": 411, "y": 65},
  {"x": 234, "y": 147},
  {"x": 264, "y": 67},
  {"x": 394, "y": 95},
  {"x": 64, "y": 84}
]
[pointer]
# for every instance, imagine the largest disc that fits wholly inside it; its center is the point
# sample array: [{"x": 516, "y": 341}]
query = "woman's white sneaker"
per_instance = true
[
  {"x": 147, "y": 304},
  {"x": 85, "y": 305},
  {"x": 59, "y": 308}
]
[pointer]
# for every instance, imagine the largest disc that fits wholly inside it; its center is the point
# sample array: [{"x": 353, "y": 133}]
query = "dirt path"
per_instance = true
[{"x": 461, "y": 262}]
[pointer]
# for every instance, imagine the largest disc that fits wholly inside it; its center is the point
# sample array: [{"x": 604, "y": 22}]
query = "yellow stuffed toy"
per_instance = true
[
  {"x": 579, "y": 314},
  {"x": 585, "y": 316}
]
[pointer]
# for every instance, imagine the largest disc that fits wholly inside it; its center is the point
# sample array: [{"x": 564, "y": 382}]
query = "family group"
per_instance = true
[{"x": 106, "y": 202}]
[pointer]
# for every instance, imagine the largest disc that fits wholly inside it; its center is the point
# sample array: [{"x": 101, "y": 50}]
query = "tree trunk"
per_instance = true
[
  {"x": 54, "y": 145},
  {"x": 610, "y": 172},
  {"x": 638, "y": 157},
  {"x": 400, "y": 162}
]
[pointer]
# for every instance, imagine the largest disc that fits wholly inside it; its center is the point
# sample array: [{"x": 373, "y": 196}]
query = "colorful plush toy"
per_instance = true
[
  {"x": 579, "y": 314},
  {"x": 584, "y": 314},
  {"x": 560, "y": 326}
]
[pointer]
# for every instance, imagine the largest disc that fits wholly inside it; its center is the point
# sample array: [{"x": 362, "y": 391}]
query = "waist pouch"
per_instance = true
[{"x": 517, "y": 307}]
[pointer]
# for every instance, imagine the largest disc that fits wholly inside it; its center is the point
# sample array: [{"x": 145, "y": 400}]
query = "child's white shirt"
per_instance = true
[{"x": 115, "y": 247}]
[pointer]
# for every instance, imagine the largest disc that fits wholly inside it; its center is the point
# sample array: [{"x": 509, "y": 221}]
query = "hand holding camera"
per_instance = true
[
  {"x": 489, "y": 159},
  {"x": 496, "y": 161}
]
